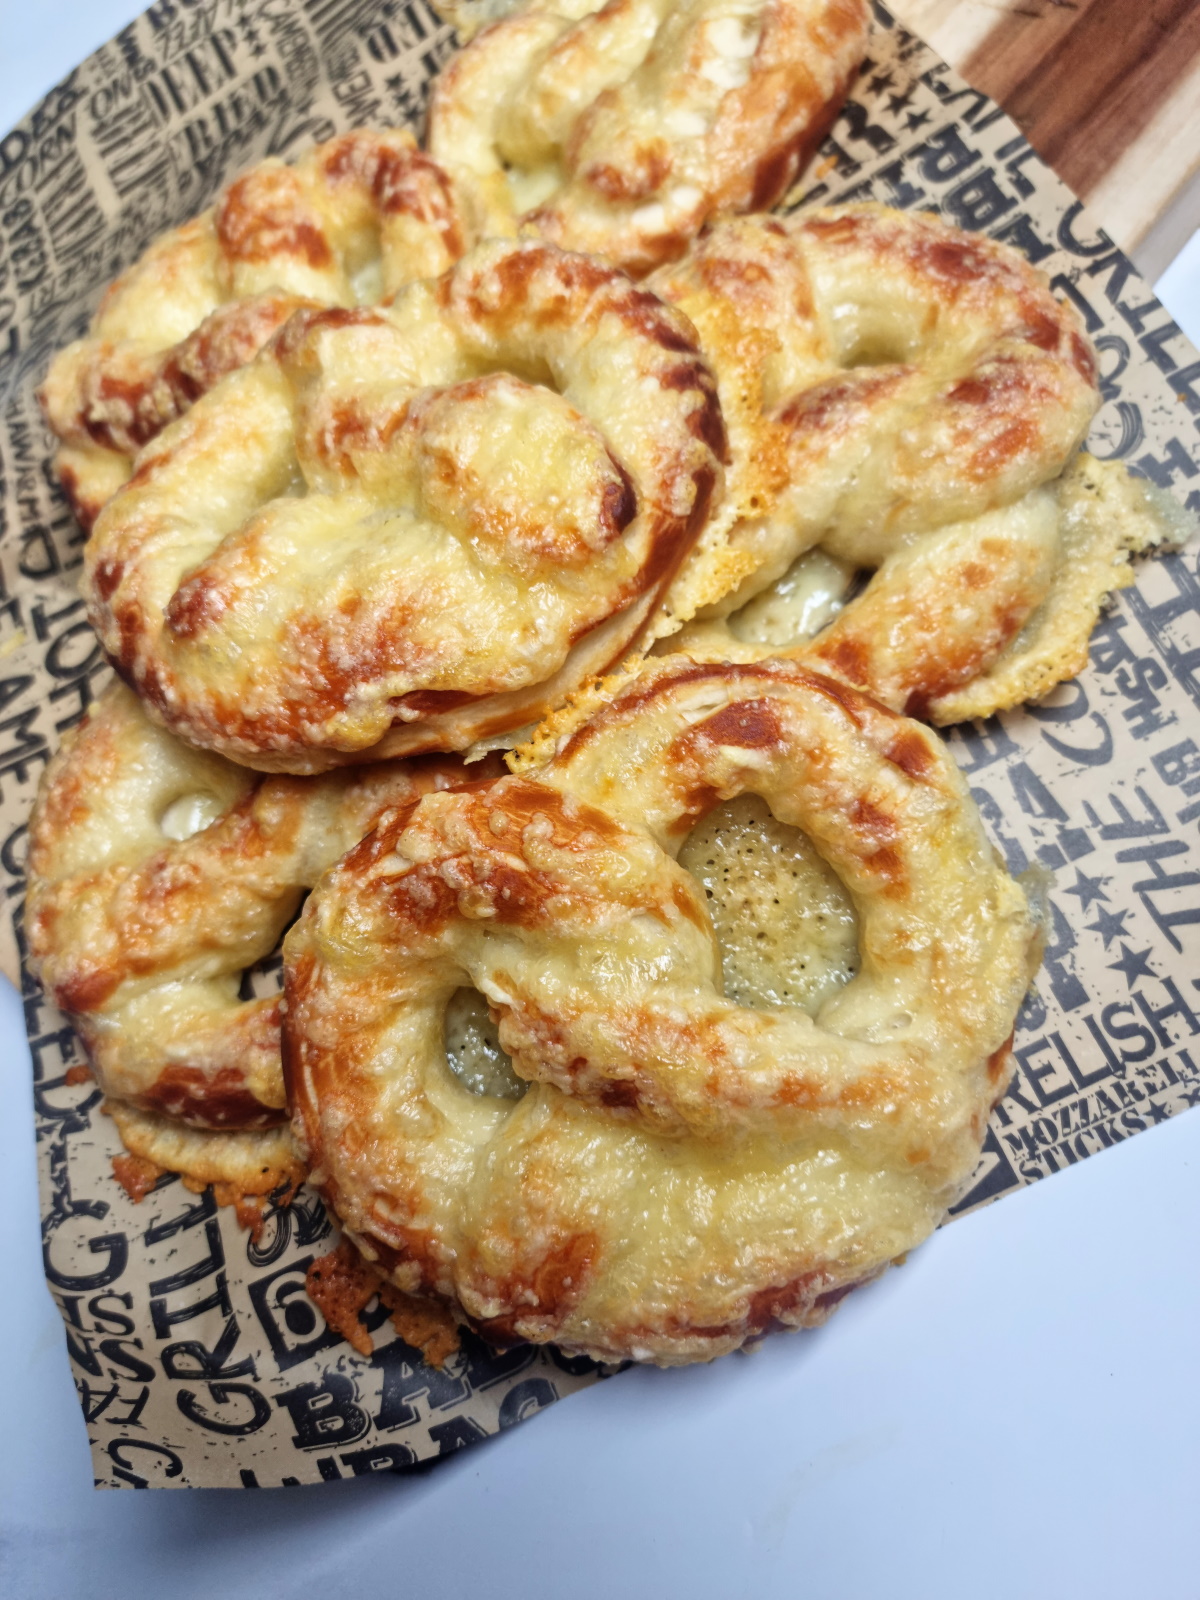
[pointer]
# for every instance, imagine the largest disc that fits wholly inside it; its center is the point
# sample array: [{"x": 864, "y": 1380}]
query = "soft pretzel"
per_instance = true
[
  {"x": 685, "y": 1170},
  {"x": 887, "y": 380},
  {"x": 620, "y": 128},
  {"x": 974, "y": 618},
  {"x": 412, "y": 528},
  {"x": 158, "y": 877},
  {"x": 354, "y": 220}
]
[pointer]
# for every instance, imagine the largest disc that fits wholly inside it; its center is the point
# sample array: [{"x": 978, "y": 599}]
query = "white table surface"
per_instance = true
[{"x": 1015, "y": 1413}]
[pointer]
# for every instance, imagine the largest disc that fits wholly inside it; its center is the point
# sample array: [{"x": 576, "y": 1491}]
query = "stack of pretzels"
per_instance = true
[{"x": 551, "y": 560}]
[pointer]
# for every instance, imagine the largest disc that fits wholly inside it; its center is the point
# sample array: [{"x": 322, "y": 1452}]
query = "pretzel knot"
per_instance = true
[
  {"x": 353, "y": 221},
  {"x": 897, "y": 393},
  {"x": 159, "y": 876},
  {"x": 621, "y": 128},
  {"x": 407, "y": 529},
  {"x": 684, "y": 1170}
]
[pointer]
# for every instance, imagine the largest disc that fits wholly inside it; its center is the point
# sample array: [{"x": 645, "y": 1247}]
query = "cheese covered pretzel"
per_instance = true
[
  {"x": 353, "y": 221},
  {"x": 620, "y": 128},
  {"x": 684, "y": 1171},
  {"x": 408, "y": 529},
  {"x": 897, "y": 394},
  {"x": 158, "y": 877}
]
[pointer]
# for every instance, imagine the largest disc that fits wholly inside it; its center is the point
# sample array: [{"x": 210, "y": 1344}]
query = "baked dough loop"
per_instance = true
[
  {"x": 684, "y": 1172},
  {"x": 620, "y": 128},
  {"x": 904, "y": 398},
  {"x": 412, "y": 528},
  {"x": 159, "y": 878},
  {"x": 353, "y": 221}
]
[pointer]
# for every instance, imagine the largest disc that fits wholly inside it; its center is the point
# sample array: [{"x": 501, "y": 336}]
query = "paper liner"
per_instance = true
[{"x": 198, "y": 1358}]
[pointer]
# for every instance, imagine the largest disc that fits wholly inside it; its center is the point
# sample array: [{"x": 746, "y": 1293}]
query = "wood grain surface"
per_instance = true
[{"x": 1107, "y": 92}]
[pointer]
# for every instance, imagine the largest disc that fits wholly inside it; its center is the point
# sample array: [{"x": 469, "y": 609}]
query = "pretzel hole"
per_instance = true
[
  {"x": 362, "y": 251},
  {"x": 527, "y": 365},
  {"x": 474, "y": 1053},
  {"x": 191, "y": 814},
  {"x": 797, "y": 606},
  {"x": 530, "y": 187},
  {"x": 875, "y": 349},
  {"x": 364, "y": 267},
  {"x": 867, "y": 333},
  {"x": 264, "y": 978},
  {"x": 785, "y": 925}
]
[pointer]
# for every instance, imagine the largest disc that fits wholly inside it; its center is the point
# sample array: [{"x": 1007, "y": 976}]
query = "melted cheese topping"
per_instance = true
[
  {"x": 248, "y": 1161},
  {"x": 474, "y": 1053},
  {"x": 968, "y": 619},
  {"x": 785, "y": 924}
]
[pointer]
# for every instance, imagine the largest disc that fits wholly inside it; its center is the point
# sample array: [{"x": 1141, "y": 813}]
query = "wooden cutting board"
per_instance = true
[{"x": 1107, "y": 92}]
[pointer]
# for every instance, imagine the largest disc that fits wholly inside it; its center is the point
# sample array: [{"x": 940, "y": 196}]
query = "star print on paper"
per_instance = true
[
  {"x": 1155, "y": 1111},
  {"x": 1132, "y": 964},
  {"x": 1192, "y": 1097},
  {"x": 915, "y": 120},
  {"x": 409, "y": 103},
  {"x": 1109, "y": 925},
  {"x": 1088, "y": 889}
]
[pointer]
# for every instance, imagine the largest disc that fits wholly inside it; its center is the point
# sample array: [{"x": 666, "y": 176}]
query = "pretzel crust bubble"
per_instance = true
[
  {"x": 354, "y": 220},
  {"x": 683, "y": 1171},
  {"x": 158, "y": 877},
  {"x": 413, "y": 528},
  {"x": 620, "y": 128}
]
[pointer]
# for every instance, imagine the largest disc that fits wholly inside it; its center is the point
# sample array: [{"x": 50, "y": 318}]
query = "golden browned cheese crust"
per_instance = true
[
  {"x": 408, "y": 529},
  {"x": 683, "y": 1172},
  {"x": 243, "y": 1166},
  {"x": 341, "y": 1285},
  {"x": 622, "y": 127},
  {"x": 896, "y": 392},
  {"x": 353, "y": 221},
  {"x": 158, "y": 877}
]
